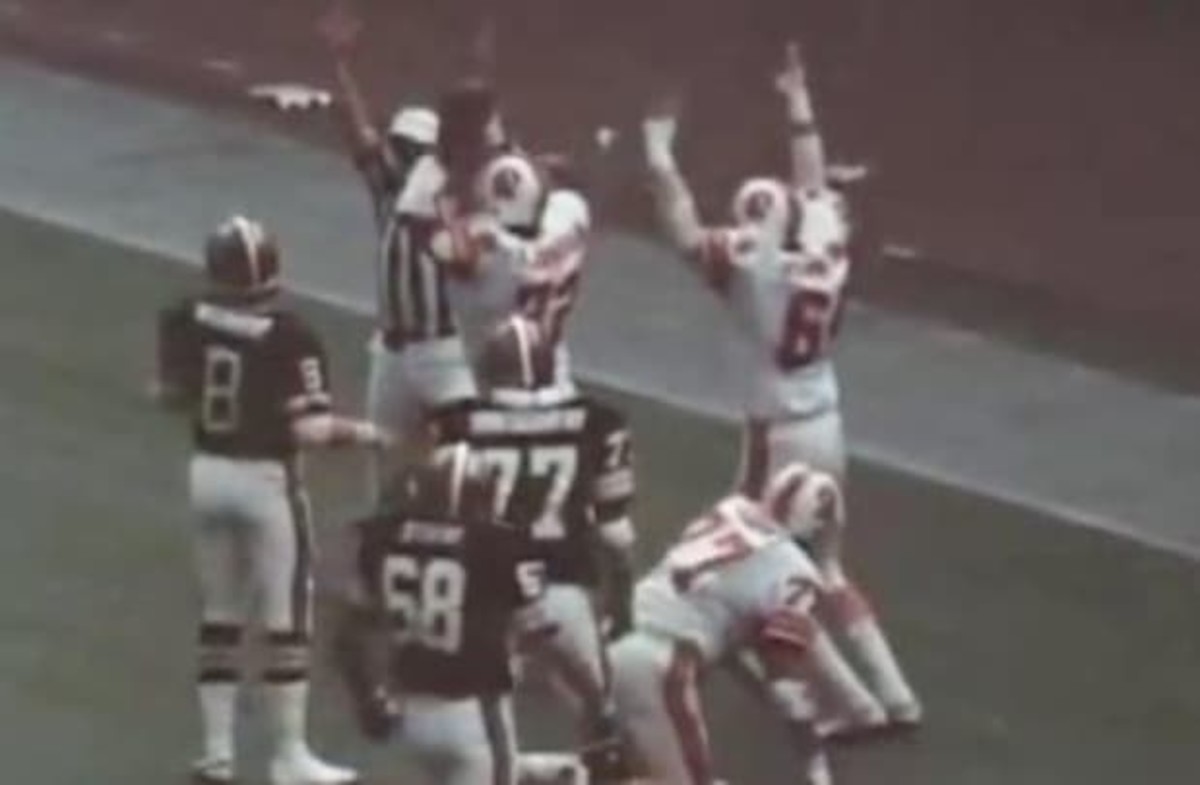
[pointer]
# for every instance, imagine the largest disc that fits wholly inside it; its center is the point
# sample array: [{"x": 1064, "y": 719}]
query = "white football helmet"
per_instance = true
[
  {"x": 416, "y": 124},
  {"x": 512, "y": 189},
  {"x": 771, "y": 207},
  {"x": 804, "y": 500}
]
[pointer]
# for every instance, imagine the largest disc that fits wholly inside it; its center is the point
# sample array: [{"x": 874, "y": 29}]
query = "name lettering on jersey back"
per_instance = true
[
  {"x": 429, "y": 533},
  {"x": 491, "y": 423},
  {"x": 245, "y": 325}
]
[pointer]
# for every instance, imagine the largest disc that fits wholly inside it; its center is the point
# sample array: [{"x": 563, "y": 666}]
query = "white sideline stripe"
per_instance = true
[{"x": 866, "y": 451}]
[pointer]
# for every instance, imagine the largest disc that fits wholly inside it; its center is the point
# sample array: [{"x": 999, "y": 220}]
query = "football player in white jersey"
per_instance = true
[
  {"x": 521, "y": 251},
  {"x": 782, "y": 271},
  {"x": 734, "y": 580}
]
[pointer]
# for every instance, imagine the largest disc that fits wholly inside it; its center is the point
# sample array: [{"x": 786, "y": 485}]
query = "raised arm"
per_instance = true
[
  {"x": 672, "y": 197},
  {"x": 806, "y": 148},
  {"x": 340, "y": 29}
]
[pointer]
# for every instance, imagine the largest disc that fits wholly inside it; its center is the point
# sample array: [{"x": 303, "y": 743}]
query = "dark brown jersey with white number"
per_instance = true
[
  {"x": 563, "y": 471},
  {"x": 245, "y": 376},
  {"x": 450, "y": 589}
]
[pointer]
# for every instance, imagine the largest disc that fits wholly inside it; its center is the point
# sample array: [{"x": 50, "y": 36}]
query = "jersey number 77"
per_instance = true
[{"x": 538, "y": 479}]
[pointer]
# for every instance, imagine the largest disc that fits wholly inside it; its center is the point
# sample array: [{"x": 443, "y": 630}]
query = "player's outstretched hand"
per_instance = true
[
  {"x": 340, "y": 28},
  {"x": 792, "y": 79},
  {"x": 658, "y": 131}
]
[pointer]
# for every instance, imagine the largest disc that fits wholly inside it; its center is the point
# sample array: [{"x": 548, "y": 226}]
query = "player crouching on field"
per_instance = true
[
  {"x": 439, "y": 587},
  {"x": 565, "y": 467},
  {"x": 254, "y": 379},
  {"x": 734, "y": 580},
  {"x": 809, "y": 503}
]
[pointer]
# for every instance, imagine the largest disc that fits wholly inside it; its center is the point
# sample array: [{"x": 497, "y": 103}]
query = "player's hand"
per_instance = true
[
  {"x": 379, "y": 714},
  {"x": 658, "y": 132},
  {"x": 340, "y": 28},
  {"x": 606, "y": 760},
  {"x": 792, "y": 80}
]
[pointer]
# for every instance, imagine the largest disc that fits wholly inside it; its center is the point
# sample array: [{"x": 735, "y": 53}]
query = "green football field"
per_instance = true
[{"x": 1044, "y": 654}]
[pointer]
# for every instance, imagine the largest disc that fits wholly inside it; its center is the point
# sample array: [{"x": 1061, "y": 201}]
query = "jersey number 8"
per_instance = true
[
  {"x": 219, "y": 411},
  {"x": 424, "y": 601}
]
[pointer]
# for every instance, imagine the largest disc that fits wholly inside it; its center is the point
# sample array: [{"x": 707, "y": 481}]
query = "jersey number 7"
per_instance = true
[{"x": 548, "y": 470}]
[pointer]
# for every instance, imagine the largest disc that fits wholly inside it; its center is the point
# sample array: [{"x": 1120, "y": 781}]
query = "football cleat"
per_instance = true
[
  {"x": 305, "y": 768},
  {"x": 213, "y": 771}
]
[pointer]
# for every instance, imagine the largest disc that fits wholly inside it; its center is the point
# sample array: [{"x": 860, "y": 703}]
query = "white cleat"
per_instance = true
[
  {"x": 308, "y": 769},
  {"x": 213, "y": 771},
  {"x": 905, "y": 715}
]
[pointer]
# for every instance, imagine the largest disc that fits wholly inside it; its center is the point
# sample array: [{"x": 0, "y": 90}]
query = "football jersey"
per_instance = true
[
  {"x": 497, "y": 271},
  {"x": 733, "y": 577},
  {"x": 788, "y": 308},
  {"x": 413, "y": 304},
  {"x": 245, "y": 375},
  {"x": 451, "y": 591},
  {"x": 565, "y": 474}
]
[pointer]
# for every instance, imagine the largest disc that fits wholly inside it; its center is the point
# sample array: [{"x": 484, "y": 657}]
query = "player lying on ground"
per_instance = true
[
  {"x": 734, "y": 580},
  {"x": 447, "y": 585},
  {"x": 253, "y": 379},
  {"x": 565, "y": 468},
  {"x": 782, "y": 273},
  {"x": 520, "y": 250}
]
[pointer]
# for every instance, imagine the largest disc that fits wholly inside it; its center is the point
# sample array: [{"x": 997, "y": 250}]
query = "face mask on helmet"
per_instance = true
[
  {"x": 770, "y": 207},
  {"x": 512, "y": 189}
]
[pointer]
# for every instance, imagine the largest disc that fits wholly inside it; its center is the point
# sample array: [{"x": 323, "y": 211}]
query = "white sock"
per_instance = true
[
  {"x": 849, "y": 691},
  {"x": 218, "y": 709},
  {"x": 883, "y": 671},
  {"x": 287, "y": 711}
]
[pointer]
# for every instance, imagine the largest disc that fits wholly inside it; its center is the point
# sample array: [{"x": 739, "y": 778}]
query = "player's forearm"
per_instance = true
[
  {"x": 356, "y": 114},
  {"x": 805, "y": 146},
  {"x": 362, "y": 665},
  {"x": 676, "y": 208},
  {"x": 331, "y": 430}
]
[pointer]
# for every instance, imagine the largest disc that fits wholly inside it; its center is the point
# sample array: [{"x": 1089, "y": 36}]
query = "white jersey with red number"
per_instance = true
[
  {"x": 733, "y": 577},
  {"x": 496, "y": 271},
  {"x": 788, "y": 306}
]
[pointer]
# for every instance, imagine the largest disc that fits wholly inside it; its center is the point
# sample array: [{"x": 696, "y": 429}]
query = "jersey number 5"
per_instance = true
[
  {"x": 811, "y": 322},
  {"x": 424, "y": 601}
]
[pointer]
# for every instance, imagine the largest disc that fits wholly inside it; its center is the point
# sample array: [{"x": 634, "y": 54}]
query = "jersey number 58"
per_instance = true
[{"x": 424, "y": 601}]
